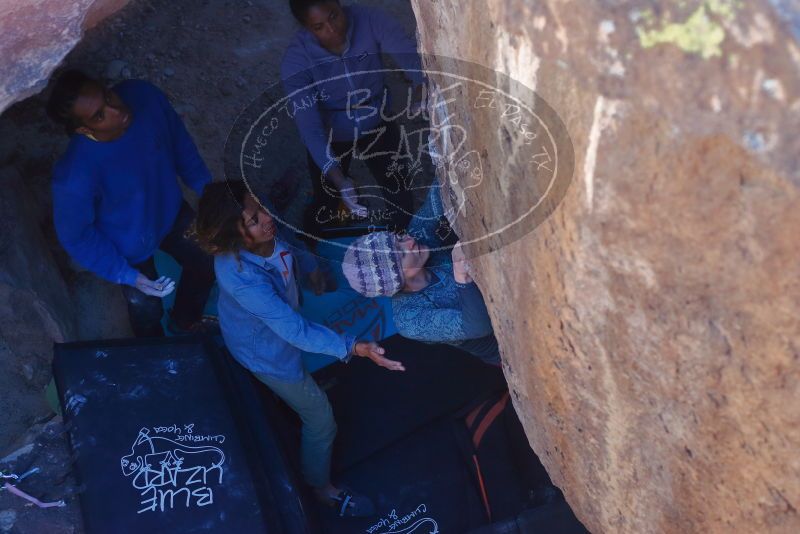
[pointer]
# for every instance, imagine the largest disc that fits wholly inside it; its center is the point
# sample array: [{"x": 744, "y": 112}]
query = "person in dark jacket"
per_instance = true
[
  {"x": 332, "y": 72},
  {"x": 434, "y": 298},
  {"x": 116, "y": 196}
]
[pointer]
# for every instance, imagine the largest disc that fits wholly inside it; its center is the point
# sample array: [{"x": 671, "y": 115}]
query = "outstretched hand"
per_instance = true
[
  {"x": 373, "y": 351},
  {"x": 155, "y": 288}
]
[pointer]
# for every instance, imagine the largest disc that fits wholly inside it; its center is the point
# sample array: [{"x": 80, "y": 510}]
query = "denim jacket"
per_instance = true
[{"x": 261, "y": 329}]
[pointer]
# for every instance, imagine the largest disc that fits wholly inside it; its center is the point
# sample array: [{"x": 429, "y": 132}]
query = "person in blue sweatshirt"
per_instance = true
[
  {"x": 259, "y": 267},
  {"x": 338, "y": 105},
  {"x": 434, "y": 298},
  {"x": 116, "y": 196}
]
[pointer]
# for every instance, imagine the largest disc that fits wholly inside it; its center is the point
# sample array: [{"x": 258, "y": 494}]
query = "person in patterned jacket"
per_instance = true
[{"x": 434, "y": 298}]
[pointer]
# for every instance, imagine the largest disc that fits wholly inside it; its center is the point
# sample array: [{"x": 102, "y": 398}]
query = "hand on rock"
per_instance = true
[{"x": 461, "y": 267}]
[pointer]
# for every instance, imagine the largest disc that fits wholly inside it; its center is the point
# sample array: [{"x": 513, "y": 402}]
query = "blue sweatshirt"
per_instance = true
[
  {"x": 319, "y": 84},
  {"x": 114, "y": 202}
]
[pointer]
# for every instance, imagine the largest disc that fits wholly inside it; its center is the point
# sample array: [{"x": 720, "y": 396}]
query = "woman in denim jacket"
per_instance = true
[{"x": 257, "y": 267}]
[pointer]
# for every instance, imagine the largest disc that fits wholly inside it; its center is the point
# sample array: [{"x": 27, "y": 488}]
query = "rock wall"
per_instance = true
[
  {"x": 35, "y": 305},
  {"x": 35, "y": 309},
  {"x": 649, "y": 325},
  {"x": 36, "y": 35}
]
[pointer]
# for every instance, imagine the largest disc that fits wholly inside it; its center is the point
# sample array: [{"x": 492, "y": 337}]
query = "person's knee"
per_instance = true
[
  {"x": 323, "y": 425},
  {"x": 327, "y": 422},
  {"x": 329, "y": 427}
]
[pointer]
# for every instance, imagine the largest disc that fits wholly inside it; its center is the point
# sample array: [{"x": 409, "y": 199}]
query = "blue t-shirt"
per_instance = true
[{"x": 114, "y": 202}]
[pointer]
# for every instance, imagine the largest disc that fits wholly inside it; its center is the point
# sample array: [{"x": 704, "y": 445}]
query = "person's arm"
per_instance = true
[
  {"x": 416, "y": 317},
  {"x": 73, "y": 217},
  {"x": 420, "y": 319},
  {"x": 191, "y": 167},
  {"x": 426, "y": 223},
  {"x": 419, "y": 316},
  {"x": 296, "y": 77},
  {"x": 475, "y": 317},
  {"x": 475, "y": 320},
  {"x": 394, "y": 41},
  {"x": 263, "y": 302},
  {"x": 299, "y": 86}
]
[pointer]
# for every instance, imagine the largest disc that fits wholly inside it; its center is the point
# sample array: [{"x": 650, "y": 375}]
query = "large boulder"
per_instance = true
[
  {"x": 650, "y": 326},
  {"x": 35, "y": 36}
]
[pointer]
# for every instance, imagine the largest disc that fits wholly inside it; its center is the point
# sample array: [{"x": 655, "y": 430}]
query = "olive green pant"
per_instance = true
[{"x": 319, "y": 429}]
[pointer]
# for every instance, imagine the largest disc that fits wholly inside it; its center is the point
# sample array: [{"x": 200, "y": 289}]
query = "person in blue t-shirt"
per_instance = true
[
  {"x": 116, "y": 197},
  {"x": 333, "y": 77}
]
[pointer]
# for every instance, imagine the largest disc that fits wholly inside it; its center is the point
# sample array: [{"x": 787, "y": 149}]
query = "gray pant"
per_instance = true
[{"x": 311, "y": 404}]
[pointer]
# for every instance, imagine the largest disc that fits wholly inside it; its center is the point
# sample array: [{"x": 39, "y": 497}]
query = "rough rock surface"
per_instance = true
[
  {"x": 650, "y": 326},
  {"x": 37, "y": 35},
  {"x": 43, "y": 455},
  {"x": 35, "y": 309}
]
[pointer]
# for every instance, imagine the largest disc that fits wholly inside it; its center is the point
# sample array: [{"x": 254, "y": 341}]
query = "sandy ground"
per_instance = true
[{"x": 211, "y": 57}]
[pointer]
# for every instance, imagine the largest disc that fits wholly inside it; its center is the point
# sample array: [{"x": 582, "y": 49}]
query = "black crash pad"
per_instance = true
[
  {"x": 375, "y": 408},
  {"x": 164, "y": 443}
]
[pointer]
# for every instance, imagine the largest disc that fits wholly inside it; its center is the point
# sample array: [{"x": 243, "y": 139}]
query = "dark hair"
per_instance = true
[
  {"x": 219, "y": 213},
  {"x": 300, "y": 7},
  {"x": 63, "y": 96}
]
